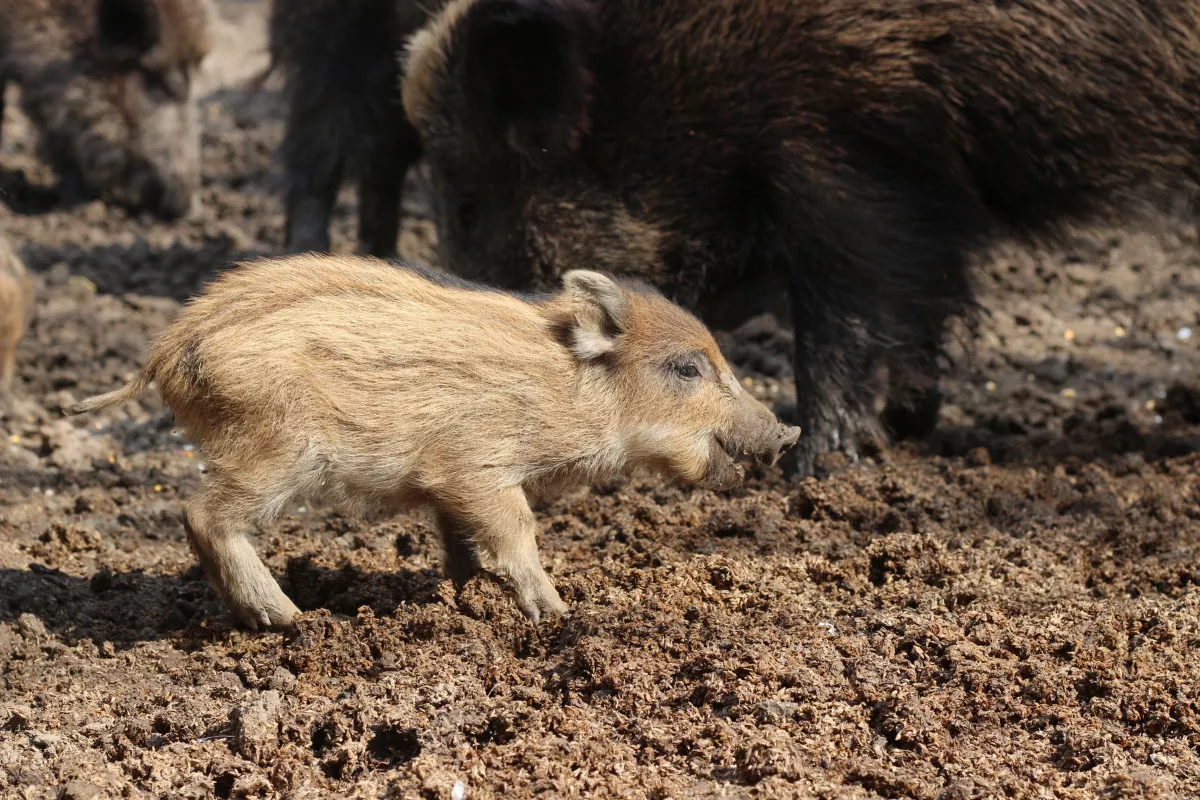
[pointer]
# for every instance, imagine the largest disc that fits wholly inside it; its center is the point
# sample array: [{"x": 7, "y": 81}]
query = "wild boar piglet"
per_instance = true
[{"x": 379, "y": 386}]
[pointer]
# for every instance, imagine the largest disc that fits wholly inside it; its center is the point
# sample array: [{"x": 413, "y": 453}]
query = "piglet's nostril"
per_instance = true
[{"x": 788, "y": 439}]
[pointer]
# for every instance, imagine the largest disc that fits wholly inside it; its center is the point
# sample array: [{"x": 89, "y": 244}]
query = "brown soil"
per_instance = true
[{"x": 1009, "y": 609}]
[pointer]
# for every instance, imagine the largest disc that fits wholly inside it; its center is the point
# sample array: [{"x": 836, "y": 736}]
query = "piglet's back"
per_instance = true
[{"x": 353, "y": 346}]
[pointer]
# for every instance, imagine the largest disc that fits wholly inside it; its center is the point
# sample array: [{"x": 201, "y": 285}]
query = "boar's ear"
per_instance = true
[
  {"x": 601, "y": 312},
  {"x": 525, "y": 63},
  {"x": 126, "y": 29}
]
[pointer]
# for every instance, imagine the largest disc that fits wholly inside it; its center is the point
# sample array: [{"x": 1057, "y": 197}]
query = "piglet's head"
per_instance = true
[{"x": 657, "y": 373}]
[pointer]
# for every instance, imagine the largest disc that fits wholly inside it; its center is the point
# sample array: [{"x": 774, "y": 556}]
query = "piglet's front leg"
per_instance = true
[{"x": 502, "y": 530}]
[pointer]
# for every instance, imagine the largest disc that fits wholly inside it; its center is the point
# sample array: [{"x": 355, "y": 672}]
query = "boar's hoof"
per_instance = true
[
  {"x": 842, "y": 434},
  {"x": 800, "y": 463},
  {"x": 278, "y": 613},
  {"x": 913, "y": 417}
]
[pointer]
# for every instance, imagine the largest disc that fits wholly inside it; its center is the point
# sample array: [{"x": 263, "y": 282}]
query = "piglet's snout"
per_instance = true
[
  {"x": 770, "y": 444},
  {"x": 759, "y": 433},
  {"x": 786, "y": 440}
]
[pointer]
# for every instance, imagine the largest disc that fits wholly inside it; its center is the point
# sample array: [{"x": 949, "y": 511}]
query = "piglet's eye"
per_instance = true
[{"x": 687, "y": 369}]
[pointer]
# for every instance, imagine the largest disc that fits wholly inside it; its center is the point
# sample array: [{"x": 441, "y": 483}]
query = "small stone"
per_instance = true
[
  {"x": 774, "y": 712},
  {"x": 281, "y": 680},
  {"x": 17, "y": 719},
  {"x": 256, "y": 727},
  {"x": 1055, "y": 369},
  {"x": 45, "y": 741},
  {"x": 95, "y": 212},
  {"x": 979, "y": 457},
  {"x": 227, "y": 684},
  {"x": 58, "y": 274},
  {"x": 79, "y": 790},
  {"x": 30, "y": 626},
  {"x": 81, "y": 284},
  {"x": 139, "y": 730}
]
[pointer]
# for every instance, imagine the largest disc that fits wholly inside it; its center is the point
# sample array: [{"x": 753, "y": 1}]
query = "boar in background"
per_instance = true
[
  {"x": 858, "y": 150},
  {"x": 16, "y": 311},
  {"x": 109, "y": 84}
]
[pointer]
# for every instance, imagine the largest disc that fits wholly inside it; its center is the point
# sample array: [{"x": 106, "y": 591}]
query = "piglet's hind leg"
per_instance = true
[{"x": 218, "y": 537}]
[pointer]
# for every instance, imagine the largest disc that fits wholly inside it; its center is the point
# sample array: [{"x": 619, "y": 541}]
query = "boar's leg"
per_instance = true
[
  {"x": 309, "y": 207},
  {"x": 313, "y": 164},
  {"x": 914, "y": 398},
  {"x": 460, "y": 561},
  {"x": 216, "y": 531},
  {"x": 503, "y": 534},
  {"x": 877, "y": 265},
  {"x": 380, "y": 188}
]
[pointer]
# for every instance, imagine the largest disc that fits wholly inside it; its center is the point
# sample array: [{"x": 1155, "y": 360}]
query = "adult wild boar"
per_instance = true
[
  {"x": 110, "y": 86},
  {"x": 342, "y": 88},
  {"x": 862, "y": 149},
  {"x": 377, "y": 385},
  {"x": 16, "y": 311}
]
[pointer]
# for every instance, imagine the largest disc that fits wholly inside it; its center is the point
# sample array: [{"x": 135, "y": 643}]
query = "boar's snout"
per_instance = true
[{"x": 167, "y": 198}]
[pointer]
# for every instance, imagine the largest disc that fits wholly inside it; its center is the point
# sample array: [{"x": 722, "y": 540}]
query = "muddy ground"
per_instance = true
[{"x": 1011, "y": 608}]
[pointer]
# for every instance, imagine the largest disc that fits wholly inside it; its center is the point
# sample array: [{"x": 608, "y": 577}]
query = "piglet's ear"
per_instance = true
[
  {"x": 526, "y": 71},
  {"x": 126, "y": 29},
  {"x": 601, "y": 313}
]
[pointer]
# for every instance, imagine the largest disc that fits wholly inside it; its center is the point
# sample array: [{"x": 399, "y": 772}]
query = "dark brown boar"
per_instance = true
[
  {"x": 339, "y": 62},
  {"x": 16, "y": 311},
  {"x": 377, "y": 385},
  {"x": 858, "y": 150},
  {"x": 109, "y": 85}
]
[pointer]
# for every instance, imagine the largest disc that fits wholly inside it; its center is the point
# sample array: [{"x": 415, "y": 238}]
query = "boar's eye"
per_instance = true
[{"x": 687, "y": 370}]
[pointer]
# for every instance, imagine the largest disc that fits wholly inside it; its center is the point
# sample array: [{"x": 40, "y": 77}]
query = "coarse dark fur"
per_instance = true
[
  {"x": 342, "y": 88},
  {"x": 860, "y": 149},
  {"x": 110, "y": 86}
]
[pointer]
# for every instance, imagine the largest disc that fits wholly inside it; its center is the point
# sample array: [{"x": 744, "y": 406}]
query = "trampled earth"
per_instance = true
[{"x": 1011, "y": 608}]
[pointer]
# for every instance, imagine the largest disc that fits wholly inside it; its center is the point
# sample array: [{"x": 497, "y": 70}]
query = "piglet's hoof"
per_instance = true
[
  {"x": 278, "y": 613},
  {"x": 548, "y": 605}
]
